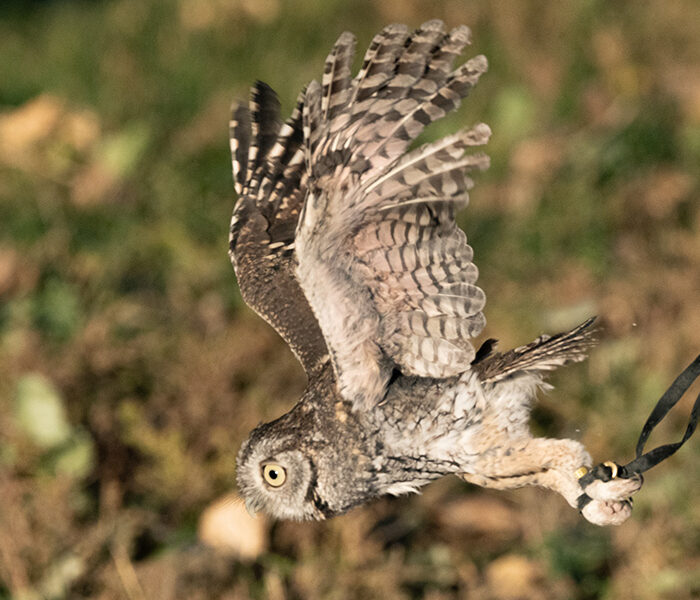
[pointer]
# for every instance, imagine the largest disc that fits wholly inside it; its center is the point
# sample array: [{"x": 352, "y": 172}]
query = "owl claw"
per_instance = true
[{"x": 613, "y": 468}]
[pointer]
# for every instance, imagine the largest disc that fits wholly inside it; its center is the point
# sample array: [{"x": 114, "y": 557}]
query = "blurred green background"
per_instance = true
[{"x": 130, "y": 369}]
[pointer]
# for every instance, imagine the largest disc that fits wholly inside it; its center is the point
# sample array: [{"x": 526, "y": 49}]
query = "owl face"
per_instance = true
[{"x": 275, "y": 478}]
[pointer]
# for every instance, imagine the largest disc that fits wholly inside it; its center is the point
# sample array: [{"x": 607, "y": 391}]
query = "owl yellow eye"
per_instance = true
[{"x": 274, "y": 474}]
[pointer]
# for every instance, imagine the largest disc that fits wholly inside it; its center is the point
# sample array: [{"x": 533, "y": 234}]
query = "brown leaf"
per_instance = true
[{"x": 227, "y": 526}]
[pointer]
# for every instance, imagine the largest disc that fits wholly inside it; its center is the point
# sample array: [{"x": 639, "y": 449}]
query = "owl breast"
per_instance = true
[{"x": 431, "y": 427}]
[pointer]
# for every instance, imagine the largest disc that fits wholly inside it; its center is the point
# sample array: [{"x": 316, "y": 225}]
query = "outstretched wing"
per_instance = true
[
  {"x": 269, "y": 174},
  {"x": 382, "y": 262}
]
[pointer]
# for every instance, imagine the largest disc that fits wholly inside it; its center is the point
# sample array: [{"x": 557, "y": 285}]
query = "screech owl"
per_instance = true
[{"x": 345, "y": 241}]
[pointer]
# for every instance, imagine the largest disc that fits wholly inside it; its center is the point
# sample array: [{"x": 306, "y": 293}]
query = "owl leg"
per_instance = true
[{"x": 553, "y": 464}]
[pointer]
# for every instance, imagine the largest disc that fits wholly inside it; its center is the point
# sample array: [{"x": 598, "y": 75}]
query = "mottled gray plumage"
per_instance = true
[{"x": 345, "y": 241}]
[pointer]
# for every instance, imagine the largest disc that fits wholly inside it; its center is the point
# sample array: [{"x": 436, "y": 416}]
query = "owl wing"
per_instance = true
[
  {"x": 269, "y": 175},
  {"x": 383, "y": 264}
]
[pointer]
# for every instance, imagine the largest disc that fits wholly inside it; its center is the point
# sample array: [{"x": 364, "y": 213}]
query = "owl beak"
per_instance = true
[{"x": 250, "y": 507}]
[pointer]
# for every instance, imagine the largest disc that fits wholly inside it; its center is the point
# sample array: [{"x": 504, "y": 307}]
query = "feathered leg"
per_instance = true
[
  {"x": 553, "y": 464},
  {"x": 510, "y": 381}
]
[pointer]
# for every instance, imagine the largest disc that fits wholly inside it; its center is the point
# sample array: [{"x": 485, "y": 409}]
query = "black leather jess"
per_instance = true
[{"x": 645, "y": 461}]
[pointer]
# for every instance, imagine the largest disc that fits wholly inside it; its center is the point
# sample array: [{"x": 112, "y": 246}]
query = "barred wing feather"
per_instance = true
[
  {"x": 269, "y": 175},
  {"x": 385, "y": 268}
]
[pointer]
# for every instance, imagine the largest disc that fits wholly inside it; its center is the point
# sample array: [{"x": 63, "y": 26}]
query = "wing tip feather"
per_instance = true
[
  {"x": 478, "y": 63},
  {"x": 461, "y": 34},
  {"x": 239, "y": 143}
]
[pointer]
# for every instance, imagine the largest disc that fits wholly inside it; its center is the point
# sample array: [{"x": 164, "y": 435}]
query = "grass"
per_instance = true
[{"x": 120, "y": 317}]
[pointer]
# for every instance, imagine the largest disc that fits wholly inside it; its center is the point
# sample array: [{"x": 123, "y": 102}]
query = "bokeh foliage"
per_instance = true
[{"x": 130, "y": 369}]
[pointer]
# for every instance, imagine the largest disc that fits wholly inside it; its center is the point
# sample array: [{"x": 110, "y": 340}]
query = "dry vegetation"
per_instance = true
[{"x": 130, "y": 370}]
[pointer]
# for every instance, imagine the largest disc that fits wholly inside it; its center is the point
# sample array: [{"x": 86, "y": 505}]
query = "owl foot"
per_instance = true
[
  {"x": 607, "y": 501},
  {"x": 600, "y": 512}
]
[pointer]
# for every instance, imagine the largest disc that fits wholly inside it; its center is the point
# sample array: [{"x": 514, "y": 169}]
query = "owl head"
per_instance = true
[
  {"x": 276, "y": 477},
  {"x": 307, "y": 464}
]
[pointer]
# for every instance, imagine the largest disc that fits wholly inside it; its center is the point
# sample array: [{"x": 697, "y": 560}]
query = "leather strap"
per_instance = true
[{"x": 645, "y": 461}]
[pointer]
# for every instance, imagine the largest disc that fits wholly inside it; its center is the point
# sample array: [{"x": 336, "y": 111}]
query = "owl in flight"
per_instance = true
[{"x": 344, "y": 239}]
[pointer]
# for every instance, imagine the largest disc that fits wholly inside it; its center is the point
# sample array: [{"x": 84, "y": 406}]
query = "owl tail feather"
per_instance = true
[{"x": 546, "y": 353}]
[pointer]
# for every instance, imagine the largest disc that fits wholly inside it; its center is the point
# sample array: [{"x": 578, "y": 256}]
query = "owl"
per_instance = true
[{"x": 344, "y": 239}]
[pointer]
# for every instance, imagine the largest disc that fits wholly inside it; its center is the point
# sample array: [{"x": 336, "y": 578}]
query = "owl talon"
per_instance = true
[{"x": 613, "y": 468}]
